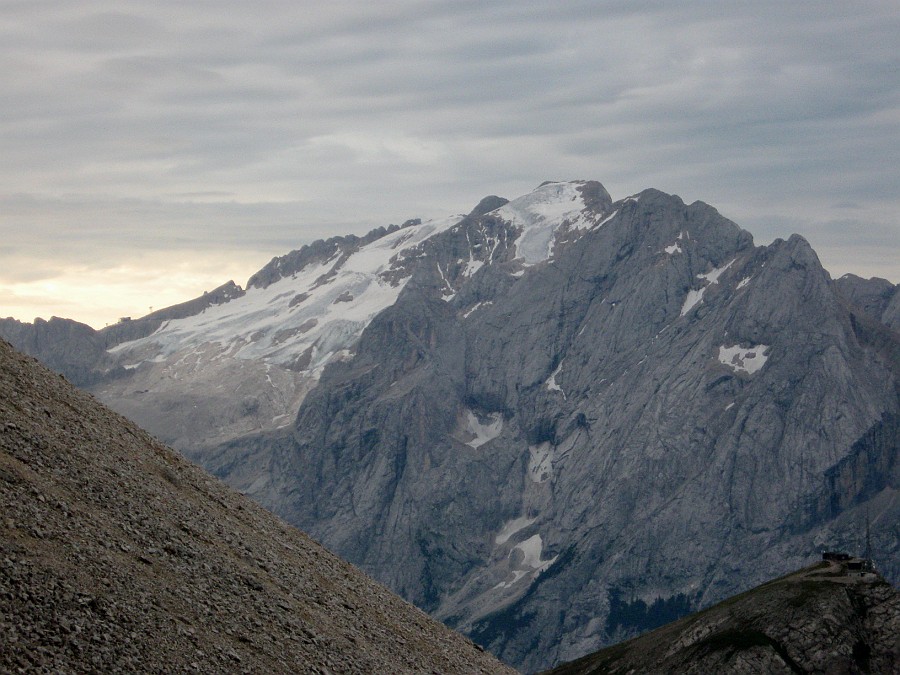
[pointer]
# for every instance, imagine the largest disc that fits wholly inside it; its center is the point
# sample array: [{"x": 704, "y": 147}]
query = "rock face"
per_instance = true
[
  {"x": 812, "y": 621},
  {"x": 528, "y": 419},
  {"x": 64, "y": 345},
  {"x": 117, "y": 555},
  {"x": 878, "y": 298}
]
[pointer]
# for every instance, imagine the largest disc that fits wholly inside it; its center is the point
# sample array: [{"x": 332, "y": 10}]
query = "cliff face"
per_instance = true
[
  {"x": 630, "y": 414},
  {"x": 812, "y": 621},
  {"x": 869, "y": 468},
  {"x": 117, "y": 555},
  {"x": 877, "y": 298},
  {"x": 64, "y": 345}
]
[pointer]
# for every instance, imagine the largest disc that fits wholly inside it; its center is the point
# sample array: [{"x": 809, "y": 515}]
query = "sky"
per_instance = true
[{"x": 153, "y": 150}]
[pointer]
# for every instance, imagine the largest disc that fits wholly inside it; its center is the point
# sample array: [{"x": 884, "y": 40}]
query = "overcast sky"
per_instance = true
[{"x": 152, "y": 150}]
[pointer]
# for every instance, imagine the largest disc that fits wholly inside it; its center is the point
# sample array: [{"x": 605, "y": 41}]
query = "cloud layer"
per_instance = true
[{"x": 242, "y": 130}]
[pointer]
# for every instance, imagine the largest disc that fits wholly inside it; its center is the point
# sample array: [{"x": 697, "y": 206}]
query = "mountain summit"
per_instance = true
[{"x": 534, "y": 419}]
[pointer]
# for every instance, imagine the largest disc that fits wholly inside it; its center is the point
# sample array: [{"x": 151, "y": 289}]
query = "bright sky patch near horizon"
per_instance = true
[{"x": 152, "y": 151}]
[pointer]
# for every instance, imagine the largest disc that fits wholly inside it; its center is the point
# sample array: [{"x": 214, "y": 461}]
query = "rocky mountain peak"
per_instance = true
[
  {"x": 574, "y": 396},
  {"x": 487, "y": 204},
  {"x": 877, "y": 298},
  {"x": 64, "y": 345},
  {"x": 319, "y": 252},
  {"x": 539, "y": 215}
]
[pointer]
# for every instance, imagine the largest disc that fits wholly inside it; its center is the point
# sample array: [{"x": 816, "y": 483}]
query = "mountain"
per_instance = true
[
  {"x": 117, "y": 555},
  {"x": 817, "y": 620},
  {"x": 536, "y": 418}
]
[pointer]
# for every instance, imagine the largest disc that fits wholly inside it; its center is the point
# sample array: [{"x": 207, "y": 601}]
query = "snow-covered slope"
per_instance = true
[
  {"x": 246, "y": 364},
  {"x": 312, "y": 315},
  {"x": 541, "y": 214}
]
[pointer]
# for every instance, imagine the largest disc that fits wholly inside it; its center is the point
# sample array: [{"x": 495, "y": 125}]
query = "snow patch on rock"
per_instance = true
[
  {"x": 713, "y": 275},
  {"x": 540, "y": 462},
  {"x": 605, "y": 220},
  {"x": 539, "y": 214},
  {"x": 695, "y": 296},
  {"x": 530, "y": 563},
  {"x": 692, "y": 300},
  {"x": 551, "y": 382},
  {"x": 511, "y": 527},
  {"x": 477, "y": 306},
  {"x": 744, "y": 359},
  {"x": 531, "y": 550},
  {"x": 483, "y": 432},
  {"x": 448, "y": 293},
  {"x": 673, "y": 249}
]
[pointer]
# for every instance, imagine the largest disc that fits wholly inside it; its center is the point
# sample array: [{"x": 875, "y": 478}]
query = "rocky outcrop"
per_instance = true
[
  {"x": 487, "y": 205},
  {"x": 868, "y": 474},
  {"x": 814, "y": 621},
  {"x": 64, "y": 345},
  {"x": 877, "y": 298},
  {"x": 872, "y": 465},
  {"x": 117, "y": 555}
]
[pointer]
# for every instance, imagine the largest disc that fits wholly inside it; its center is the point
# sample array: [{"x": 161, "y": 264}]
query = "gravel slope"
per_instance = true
[{"x": 116, "y": 554}]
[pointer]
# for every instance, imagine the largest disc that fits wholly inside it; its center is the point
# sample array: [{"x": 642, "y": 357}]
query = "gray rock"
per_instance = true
[
  {"x": 643, "y": 415},
  {"x": 877, "y": 298},
  {"x": 817, "y": 620},
  {"x": 67, "y": 346}
]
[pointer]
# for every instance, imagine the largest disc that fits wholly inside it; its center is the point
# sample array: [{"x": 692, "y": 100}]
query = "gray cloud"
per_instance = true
[{"x": 268, "y": 124}]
